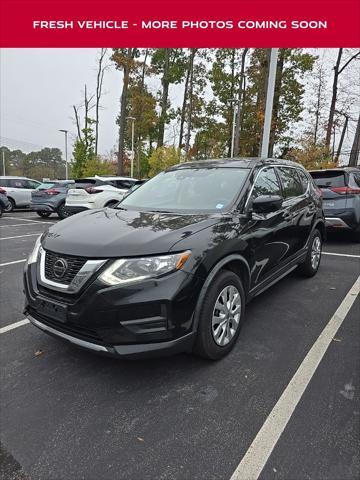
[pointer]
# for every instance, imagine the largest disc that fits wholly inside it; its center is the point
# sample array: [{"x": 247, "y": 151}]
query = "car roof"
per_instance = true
[
  {"x": 9, "y": 177},
  {"x": 103, "y": 178},
  {"x": 240, "y": 162},
  {"x": 337, "y": 169}
]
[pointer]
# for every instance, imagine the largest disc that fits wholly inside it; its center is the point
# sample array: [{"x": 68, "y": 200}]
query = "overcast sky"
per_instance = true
[{"x": 39, "y": 86}]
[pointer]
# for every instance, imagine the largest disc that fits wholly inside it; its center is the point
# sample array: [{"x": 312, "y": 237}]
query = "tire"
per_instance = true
[
  {"x": 111, "y": 203},
  {"x": 11, "y": 206},
  {"x": 43, "y": 214},
  {"x": 62, "y": 212},
  {"x": 313, "y": 257},
  {"x": 1, "y": 209},
  {"x": 210, "y": 334}
]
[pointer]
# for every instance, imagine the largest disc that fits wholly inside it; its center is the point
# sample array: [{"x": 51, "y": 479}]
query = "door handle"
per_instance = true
[{"x": 288, "y": 216}]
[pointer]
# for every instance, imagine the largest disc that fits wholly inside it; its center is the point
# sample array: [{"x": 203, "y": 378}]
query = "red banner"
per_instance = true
[{"x": 185, "y": 23}]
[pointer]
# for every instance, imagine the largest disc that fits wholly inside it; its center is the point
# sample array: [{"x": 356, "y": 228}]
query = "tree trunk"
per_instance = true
[
  {"x": 183, "y": 108},
  {"x": 355, "y": 149},
  {"x": 191, "y": 85},
  {"x": 330, "y": 123},
  {"x": 338, "y": 153},
  {"x": 276, "y": 104},
  {"x": 164, "y": 98},
  {"x": 232, "y": 105},
  {"x": 241, "y": 95},
  {"x": 99, "y": 84},
  {"x": 122, "y": 118}
]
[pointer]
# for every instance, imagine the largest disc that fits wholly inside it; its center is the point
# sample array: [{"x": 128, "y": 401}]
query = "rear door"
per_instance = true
[{"x": 298, "y": 209}]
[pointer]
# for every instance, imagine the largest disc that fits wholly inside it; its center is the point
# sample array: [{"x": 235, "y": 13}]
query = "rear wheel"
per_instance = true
[
  {"x": 62, "y": 212},
  {"x": 221, "y": 316},
  {"x": 43, "y": 214},
  {"x": 1, "y": 209},
  {"x": 313, "y": 256},
  {"x": 10, "y": 206}
]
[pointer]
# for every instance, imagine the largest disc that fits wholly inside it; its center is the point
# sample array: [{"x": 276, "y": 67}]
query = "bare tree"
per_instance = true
[
  {"x": 338, "y": 69},
  {"x": 99, "y": 84}
]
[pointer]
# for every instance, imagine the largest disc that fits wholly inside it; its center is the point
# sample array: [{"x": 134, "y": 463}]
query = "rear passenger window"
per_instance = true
[
  {"x": 267, "y": 183},
  {"x": 17, "y": 183},
  {"x": 290, "y": 180},
  {"x": 304, "y": 179}
]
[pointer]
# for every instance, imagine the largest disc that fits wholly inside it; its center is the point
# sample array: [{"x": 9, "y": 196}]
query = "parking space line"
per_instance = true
[
  {"x": 341, "y": 254},
  {"x": 21, "y": 236},
  {"x": 261, "y": 448},
  {"x": 19, "y": 225},
  {"x": 12, "y": 263},
  {"x": 29, "y": 220},
  {"x": 20, "y": 323}
]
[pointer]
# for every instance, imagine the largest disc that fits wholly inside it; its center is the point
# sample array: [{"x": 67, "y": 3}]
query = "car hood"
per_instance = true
[{"x": 117, "y": 233}]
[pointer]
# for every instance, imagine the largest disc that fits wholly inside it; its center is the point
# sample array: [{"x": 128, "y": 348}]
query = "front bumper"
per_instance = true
[
  {"x": 145, "y": 350},
  {"x": 154, "y": 318},
  {"x": 72, "y": 209}
]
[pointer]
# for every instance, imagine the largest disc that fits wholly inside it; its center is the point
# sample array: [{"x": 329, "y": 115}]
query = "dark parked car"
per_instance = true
[
  {"x": 50, "y": 197},
  {"x": 341, "y": 197},
  {"x": 4, "y": 201},
  {"x": 171, "y": 268}
]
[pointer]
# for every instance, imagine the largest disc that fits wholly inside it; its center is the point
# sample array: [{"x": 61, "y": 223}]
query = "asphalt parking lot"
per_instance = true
[{"x": 68, "y": 414}]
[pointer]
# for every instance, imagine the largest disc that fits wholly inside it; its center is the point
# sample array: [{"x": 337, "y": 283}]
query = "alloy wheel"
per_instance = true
[
  {"x": 315, "y": 252},
  {"x": 226, "y": 315}
]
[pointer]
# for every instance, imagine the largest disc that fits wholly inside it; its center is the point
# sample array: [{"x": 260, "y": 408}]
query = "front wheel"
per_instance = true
[
  {"x": 43, "y": 214},
  {"x": 313, "y": 256},
  {"x": 221, "y": 316}
]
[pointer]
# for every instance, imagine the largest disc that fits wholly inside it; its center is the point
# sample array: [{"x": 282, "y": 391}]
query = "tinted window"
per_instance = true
[
  {"x": 292, "y": 186},
  {"x": 189, "y": 189},
  {"x": 125, "y": 184},
  {"x": 4, "y": 182},
  {"x": 354, "y": 180},
  {"x": 17, "y": 183},
  {"x": 329, "y": 178},
  {"x": 267, "y": 183},
  {"x": 304, "y": 179},
  {"x": 31, "y": 184}
]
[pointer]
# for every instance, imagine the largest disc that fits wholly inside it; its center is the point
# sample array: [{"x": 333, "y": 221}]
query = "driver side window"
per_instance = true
[{"x": 267, "y": 183}]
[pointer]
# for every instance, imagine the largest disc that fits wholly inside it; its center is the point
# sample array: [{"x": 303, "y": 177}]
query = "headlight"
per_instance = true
[
  {"x": 32, "y": 258},
  {"x": 129, "y": 270}
]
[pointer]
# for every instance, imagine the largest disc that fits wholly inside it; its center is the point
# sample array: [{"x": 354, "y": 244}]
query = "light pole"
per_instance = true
[
  {"x": 269, "y": 103},
  {"x": 3, "y": 159},
  {"x": 66, "y": 158},
  {"x": 235, "y": 102},
  {"x": 132, "y": 144}
]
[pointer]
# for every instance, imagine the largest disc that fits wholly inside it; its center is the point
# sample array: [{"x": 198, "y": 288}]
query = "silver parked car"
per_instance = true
[{"x": 18, "y": 190}]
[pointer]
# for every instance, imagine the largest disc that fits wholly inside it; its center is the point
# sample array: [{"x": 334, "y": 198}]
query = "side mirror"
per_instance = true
[{"x": 267, "y": 203}]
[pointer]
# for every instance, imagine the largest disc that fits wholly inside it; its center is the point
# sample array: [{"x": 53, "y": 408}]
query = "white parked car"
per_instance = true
[
  {"x": 18, "y": 190},
  {"x": 97, "y": 192}
]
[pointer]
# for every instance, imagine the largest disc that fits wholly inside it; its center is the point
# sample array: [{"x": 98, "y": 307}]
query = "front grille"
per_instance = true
[
  {"x": 71, "y": 329},
  {"x": 74, "y": 265}
]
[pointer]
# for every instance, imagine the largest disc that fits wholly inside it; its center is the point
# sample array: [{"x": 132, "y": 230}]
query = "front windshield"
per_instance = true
[{"x": 188, "y": 189}]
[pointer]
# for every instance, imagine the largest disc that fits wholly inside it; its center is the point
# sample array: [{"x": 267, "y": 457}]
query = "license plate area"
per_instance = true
[{"x": 54, "y": 310}]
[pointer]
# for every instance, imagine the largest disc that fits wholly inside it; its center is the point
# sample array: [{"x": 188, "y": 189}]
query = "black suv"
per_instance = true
[{"x": 171, "y": 268}]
